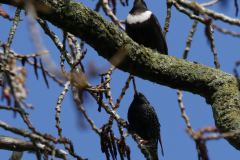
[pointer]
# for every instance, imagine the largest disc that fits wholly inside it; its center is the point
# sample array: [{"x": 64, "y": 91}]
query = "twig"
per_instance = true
[
  {"x": 167, "y": 21},
  {"x": 184, "y": 115},
  {"x": 217, "y": 65},
  {"x": 31, "y": 55},
  {"x": 97, "y": 90},
  {"x": 123, "y": 91},
  {"x": 59, "y": 101},
  {"x": 25, "y": 118},
  {"x": 187, "y": 12},
  {"x": 80, "y": 107},
  {"x": 7, "y": 70},
  {"x": 111, "y": 69},
  {"x": 209, "y": 3},
  {"x": 103, "y": 84},
  {"x": 7, "y": 48},
  {"x": 226, "y": 31},
  {"x": 98, "y": 6},
  {"x": 38, "y": 153},
  {"x": 108, "y": 12},
  {"x": 77, "y": 45},
  {"x": 56, "y": 40},
  {"x": 201, "y": 148},
  {"x": 189, "y": 40},
  {"x": 25, "y": 133},
  {"x": 217, "y": 16}
]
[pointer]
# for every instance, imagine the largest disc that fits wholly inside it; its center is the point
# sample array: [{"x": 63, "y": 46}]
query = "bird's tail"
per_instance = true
[
  {"x": 153, "y": 149},
  {"x": 161, "y": 145}
]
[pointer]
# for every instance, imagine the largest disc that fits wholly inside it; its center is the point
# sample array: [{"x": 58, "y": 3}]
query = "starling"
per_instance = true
[
  {"x": 143, "y": 120},
  {"x": 143, "y": 27}
]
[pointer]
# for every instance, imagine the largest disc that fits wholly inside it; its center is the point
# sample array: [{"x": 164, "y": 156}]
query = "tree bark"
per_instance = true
[{"x": 219, "y": 88}]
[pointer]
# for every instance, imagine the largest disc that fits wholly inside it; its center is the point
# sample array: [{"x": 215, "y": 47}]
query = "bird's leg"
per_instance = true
[{"x": 143, "y": 141}]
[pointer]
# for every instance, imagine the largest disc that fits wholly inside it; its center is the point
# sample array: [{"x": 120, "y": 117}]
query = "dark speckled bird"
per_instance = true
[
  {"x": 143, "y": 120},
  {"x": 143, "y": 27}
]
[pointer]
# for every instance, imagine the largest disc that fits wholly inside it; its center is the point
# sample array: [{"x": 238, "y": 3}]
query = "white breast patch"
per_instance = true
[{"x": 131, "y": 19}]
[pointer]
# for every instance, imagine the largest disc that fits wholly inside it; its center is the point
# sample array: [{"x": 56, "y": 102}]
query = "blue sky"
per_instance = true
[{"x": 177, "y": 143}]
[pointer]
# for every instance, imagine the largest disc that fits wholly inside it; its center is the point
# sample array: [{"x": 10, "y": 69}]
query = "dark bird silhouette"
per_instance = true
[
  {"x": 143, "y": 120},
  {"x": 143, "y": 27}
]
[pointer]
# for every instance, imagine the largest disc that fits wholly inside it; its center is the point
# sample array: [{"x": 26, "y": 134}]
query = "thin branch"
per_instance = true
[
  {"x": 189, "y": 40},
  {"x": 25, "y": 133},
  {"x": 226, "y": 31},
  {"x": 123, "y": 91},
  {"x": 108, "y": 12},
  {"x": 31, "y": 55},
  {"x": 217, "y": 65},
  {"x": 80, "y": 107},
  {"x": 187, "y": 12},
  {"x": 8, "y": 71},
  {"x": 167, "y": 21},
  {"x": 77, "y": 45},
  {"x": 98, "y": 6},
  {"x": 184, "y": 115},
  {"x": 217, "y": 16},
  {"x": 7, "y": 48},
  {"x": 209, "y": 3},
  {"x": 59, "y": 101}
]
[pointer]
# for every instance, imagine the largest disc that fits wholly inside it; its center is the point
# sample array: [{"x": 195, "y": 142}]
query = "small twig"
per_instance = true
[
  {"x": 108, "y": 12},
  {"x": 189, "y": 40},
  {"x": 103, "y": 84},
  {"x": 184, "y": 115},
  {"x": 167, "y": 21},
  {"x": 59, "y": 101},
  {"x": 98, "y": 6},
  {"x": 223, "y": 135},
  {"x": 217, "y": 65},
  {"x": 78, "y": 61},
  {"x": 77, "y": 45},
  {"x": 7, "y": 70},
  {"x": 217, "y": 16},
  {"x": 7, "y": 48},
  {"x": 187, "y": 12},
  {"x": 123, "y": 91},
  {"x": 80, "y": 107},
  {"x": 56, "y": 40},
  {"x": 111, "y": 69},
  {"x": 31, "y": 55},
  {"x": 209, "y": 3},
  {"x": 96, "y": 90},
  {"x": 225, "y": 31},
  {"x": 109, "y": 93},
  {"x": 26, "y": 133},
  {"x": 63, "y": 67},
  {"x": 38, "y": 153}
]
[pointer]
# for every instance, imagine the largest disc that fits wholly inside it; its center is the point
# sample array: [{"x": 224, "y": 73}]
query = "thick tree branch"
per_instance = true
[
  {"x": 219, "y": 88},
  {"x": 15, "y": 144}
]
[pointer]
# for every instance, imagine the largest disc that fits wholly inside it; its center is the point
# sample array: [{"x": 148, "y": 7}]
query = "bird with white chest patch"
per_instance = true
[{"x": 143, "y": 27}]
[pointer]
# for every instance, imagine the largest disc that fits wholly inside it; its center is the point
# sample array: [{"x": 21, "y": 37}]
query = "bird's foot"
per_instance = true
[{"x": 143, "y": 141}]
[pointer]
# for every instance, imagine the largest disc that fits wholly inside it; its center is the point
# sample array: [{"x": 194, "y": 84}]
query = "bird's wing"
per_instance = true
[{"x": 161, "y": 33}]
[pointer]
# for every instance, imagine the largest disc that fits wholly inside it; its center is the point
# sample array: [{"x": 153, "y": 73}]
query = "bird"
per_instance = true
[
  {"x": 144, "y": 121},
  {"x": 143, "y": 27}
]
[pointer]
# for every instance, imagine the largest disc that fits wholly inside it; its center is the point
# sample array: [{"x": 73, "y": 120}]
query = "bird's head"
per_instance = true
[
  {"x": 139, "y": 97},
  {"x": 140, "y": 4}
]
